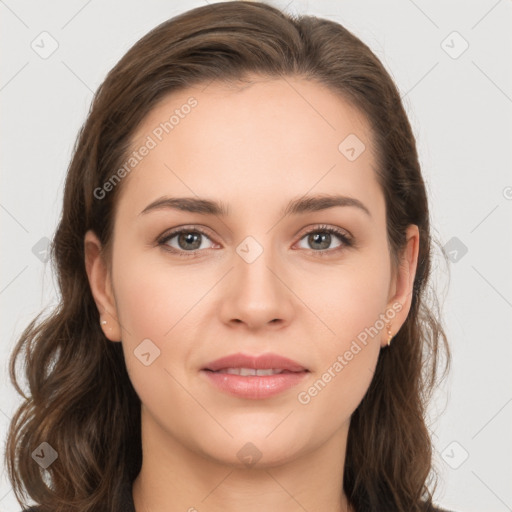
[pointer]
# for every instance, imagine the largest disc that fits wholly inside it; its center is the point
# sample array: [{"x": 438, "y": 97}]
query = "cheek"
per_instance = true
[
  {"x": 156, "y": 306},
  {"x": 347, "y": 360},
  {"x": 154, "y": 299},
  {"x": 348, "y": 299},
  {"x": 351, "y": 304},
  {"x": 164, "y": 304},
  {"x": 333, "y": 395}
]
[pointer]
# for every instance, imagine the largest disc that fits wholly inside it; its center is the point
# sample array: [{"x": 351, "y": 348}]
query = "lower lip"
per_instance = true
[{"x": 254, "y": 387}]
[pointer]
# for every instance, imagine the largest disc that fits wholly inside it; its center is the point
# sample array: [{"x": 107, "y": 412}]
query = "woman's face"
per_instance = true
[{"x": 261, "y": 278}]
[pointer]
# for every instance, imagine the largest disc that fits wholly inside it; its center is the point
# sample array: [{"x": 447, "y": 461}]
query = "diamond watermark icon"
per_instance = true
[
  {"x": 249, "y": 249},
  {"x": 44, "y": 455},
  {"x": 146, "y": 352},
  {"x": 351, "y": 147},
  {"x": 454, "y": 45},
  {"x": 455, "y": 249},
  {"x": 455, "y": 455},
  {"x": 45, "y": 45},
  {"x": 249, "y": 454},
  {"x": 41, "y": 249}
]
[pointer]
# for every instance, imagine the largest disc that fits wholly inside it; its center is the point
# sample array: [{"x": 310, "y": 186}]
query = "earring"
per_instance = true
[
  {"x": 103, "y": 322},
  {"x": 389, "y": 334}
]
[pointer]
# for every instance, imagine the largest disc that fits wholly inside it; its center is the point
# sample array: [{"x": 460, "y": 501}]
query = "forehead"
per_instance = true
[{"x": 229, "y": 140}]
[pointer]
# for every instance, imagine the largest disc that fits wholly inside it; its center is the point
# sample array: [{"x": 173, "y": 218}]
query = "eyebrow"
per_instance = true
[{"x": 298, "y": 206}]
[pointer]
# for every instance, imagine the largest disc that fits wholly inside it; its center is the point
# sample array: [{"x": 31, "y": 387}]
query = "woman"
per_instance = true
[{"x": 284, "y": 359}]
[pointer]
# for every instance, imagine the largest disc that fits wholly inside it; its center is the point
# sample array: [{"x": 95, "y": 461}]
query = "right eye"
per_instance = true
[{"x": 188, "y": 240}]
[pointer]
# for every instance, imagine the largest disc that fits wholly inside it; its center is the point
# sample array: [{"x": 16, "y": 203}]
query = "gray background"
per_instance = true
[{"x": 459, "y": 103}]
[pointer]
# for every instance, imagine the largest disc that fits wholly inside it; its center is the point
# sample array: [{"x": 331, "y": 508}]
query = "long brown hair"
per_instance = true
[{"x": 81, "y": 401}]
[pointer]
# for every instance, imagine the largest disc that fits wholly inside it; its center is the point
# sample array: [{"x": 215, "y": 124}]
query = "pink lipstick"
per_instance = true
[{"x": 254, "y": 377}]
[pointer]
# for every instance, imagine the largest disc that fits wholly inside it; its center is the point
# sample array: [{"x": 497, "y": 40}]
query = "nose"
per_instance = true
[{"x": 257, "y": 292}]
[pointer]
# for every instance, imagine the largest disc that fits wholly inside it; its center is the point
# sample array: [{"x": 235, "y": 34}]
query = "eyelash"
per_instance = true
[{"x": 345, "y": 240}]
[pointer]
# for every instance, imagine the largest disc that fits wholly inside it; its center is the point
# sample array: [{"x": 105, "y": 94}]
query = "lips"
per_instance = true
[
  {"x": 247, "y": 365},
  {"x": 254, "y": 377}
]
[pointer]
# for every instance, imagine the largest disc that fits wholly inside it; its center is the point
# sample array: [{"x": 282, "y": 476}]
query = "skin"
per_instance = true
[{"x": 254, "y": 149}]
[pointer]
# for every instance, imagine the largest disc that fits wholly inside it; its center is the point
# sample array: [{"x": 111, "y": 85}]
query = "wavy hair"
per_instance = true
[{"x": 81, "y": 401}]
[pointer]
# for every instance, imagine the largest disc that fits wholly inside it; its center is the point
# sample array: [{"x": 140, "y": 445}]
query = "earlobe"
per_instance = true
[
  {"x": 400, "y": 303},
  {"x": 101, "y": 286}
]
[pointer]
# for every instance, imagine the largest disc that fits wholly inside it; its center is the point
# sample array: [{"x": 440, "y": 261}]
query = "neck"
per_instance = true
[{"x": 176, "y": 478}]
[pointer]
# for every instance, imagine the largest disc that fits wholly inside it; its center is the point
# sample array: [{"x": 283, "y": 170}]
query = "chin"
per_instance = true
[{"x": 248, "y": 451}]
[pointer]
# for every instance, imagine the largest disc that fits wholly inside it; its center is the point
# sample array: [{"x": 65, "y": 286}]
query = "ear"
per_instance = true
[
  {"x": 101, "y": 286},
  {"x": 401, "y": 287}
]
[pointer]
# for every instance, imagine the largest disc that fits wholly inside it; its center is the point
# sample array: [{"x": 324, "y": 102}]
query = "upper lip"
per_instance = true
[{"x": 262, "y": 361}]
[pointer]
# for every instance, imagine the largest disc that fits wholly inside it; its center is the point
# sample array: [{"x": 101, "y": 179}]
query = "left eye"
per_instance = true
[{"x": 322, "y": 238}]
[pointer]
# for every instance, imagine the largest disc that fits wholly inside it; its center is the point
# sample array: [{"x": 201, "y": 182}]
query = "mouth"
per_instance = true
[{"x": 254, "y": 377}]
